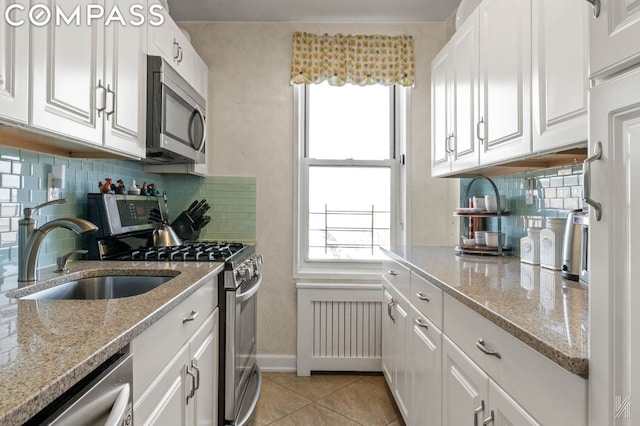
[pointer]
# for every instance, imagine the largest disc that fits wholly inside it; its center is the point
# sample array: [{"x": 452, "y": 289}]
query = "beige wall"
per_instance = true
[{"x": 250, "y": 113}]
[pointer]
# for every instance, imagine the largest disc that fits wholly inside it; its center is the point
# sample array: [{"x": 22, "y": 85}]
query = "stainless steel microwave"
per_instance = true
[{"x": 176, "y": 117}]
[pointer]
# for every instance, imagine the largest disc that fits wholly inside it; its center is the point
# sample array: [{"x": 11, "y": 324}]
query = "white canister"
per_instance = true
[
  {"x": 530, "y": 247},
  {"x": 551, "y": 243}
]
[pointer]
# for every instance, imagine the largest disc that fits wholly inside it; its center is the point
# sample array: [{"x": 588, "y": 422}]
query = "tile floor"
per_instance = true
[{"x": 325, "y": 400}]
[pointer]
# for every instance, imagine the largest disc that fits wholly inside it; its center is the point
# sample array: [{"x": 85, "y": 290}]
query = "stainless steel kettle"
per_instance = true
[
  {"x": 575, "y": 265},
  {"x": 165, "y": 236}
]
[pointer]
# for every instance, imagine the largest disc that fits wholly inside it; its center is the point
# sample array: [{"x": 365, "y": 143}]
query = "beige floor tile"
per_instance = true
[
  {"x": 376, "y": 380},
  {"x": 397, "y": 422},
  {"x": 367, "y": 403},
  {"x": 276, "y": 402},
  {"x": 314, "y": 415},
  {"x": 315, "y": 386}
]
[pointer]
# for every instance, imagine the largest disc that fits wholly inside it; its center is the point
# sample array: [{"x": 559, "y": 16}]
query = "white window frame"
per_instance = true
[{"x": 400, "y": 187}]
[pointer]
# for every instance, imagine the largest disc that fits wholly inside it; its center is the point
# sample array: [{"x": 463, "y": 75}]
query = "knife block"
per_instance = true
[{"x": 184, "y": 227}]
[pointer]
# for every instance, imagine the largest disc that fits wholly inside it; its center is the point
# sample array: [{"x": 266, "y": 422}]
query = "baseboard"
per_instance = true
[{"x": 277, "y": 363}]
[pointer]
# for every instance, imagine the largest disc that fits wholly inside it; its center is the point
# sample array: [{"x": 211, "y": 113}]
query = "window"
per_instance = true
[{"x": 349, "y": 175}]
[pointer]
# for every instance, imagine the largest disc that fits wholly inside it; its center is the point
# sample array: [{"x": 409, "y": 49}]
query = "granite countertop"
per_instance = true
[
  {"x": 536, "y": 305},
  {"x": 46, "y": 346}
]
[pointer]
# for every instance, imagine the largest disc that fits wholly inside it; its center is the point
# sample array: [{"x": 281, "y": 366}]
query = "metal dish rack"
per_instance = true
[{"x": 502, "y": 249}]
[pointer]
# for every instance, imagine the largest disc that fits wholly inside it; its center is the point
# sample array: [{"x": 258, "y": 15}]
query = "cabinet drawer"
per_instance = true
[
  {"x": 427, "y": 298},
  {"x": 398, "y": 275},
  {"x": 544, "y": 389},
  {"x": 153, "y": 349}
]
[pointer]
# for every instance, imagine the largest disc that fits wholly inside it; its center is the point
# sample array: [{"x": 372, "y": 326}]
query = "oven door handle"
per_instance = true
[
  {"x": 120, "y": 406},
  {"x": 254, "y": 400},
  {"x": 241, "y": 297}
]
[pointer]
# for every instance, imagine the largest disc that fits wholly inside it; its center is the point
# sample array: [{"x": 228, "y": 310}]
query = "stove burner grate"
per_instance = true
[{"x": 190, "y": 252}]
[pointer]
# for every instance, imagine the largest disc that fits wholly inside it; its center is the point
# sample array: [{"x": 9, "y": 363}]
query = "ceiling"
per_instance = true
[{"x": 311, "y": 10}]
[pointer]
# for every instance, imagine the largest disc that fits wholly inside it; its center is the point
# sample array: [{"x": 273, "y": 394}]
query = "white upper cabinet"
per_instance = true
[
  {"x": 440, "y": 113},
  {"x": 170, "y": 42},
  {"x": 68, "y": 87},
  {"x": 465, "y": 91},
  {"x": 454, "y": 88},
  {"x": 89, "y": 80},
  {"x": 505, "y": 79},
  {"x": 614, "y": 36},
  {"x": 125, "y": 77},
  {"x": 14, "y": 66},
  {"x": 560, "y": 73},
  {"x": 510, "y": 84}
]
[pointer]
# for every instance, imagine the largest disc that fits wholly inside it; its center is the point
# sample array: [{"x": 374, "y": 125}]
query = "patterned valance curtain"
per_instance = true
[{"x": 357, "y": 59}]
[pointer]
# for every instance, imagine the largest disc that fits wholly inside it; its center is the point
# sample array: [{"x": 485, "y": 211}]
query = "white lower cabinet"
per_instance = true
[
  {"x": 395, "y": 348},
  {"x": 425, "y": 360},
  {"x": 445, "y": 364},
  {"x": 472, "y": 398},
  {"x": 464, "y": 388},
  {"x": 411, "y": 349},
  {"x": 175, "y": 365}
]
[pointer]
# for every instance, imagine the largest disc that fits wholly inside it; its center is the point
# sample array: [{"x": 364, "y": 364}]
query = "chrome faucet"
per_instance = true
[{"x": 30, "y": 238}]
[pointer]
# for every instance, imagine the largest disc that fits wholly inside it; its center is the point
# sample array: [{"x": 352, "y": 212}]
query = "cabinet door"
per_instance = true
[
  {"x": 440, "y": 112},
  {"x": 560, "y": 73},
  {"x": 204, "y": 356},
  {"x": 464, "y": 46},
  {"x": 161, "y": 41},
  {"x": 67, "y": 72},
  {"x": 505, "y": 79},
  {"x": 387, "y": 337},
  {"x": 614, "y": 366},
  {"x": 401, "y": 349},
  {"x": 506, "y": 411},
  {"x": 464, "y": 388},
  {"x": 163, "y": 403},
  {"x": 426, "y": 368},
  {"x": 14, "y": 66},
  {"x": 614, "y": 37},
  {"x": 125, "y": 77}
]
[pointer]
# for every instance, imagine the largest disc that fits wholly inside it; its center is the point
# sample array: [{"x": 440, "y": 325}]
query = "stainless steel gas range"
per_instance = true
[{"x": 125, "y": 233}]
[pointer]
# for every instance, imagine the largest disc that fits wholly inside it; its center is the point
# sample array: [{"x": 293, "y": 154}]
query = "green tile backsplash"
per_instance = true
[
  {"x": 232, "y": 201},
  {"x": 23, "y": 183},
  {"x": 557, "y": 191}
]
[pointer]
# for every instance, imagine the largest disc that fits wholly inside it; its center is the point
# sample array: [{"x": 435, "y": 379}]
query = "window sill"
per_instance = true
[{"x": 352, "y": 273}]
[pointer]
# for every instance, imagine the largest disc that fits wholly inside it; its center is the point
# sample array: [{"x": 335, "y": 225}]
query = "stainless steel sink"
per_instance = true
[{"x": 103, "y": 287}]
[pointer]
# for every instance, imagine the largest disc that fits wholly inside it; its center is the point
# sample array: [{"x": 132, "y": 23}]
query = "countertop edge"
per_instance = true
[
  {"x": 31, "y": 406},
  {"x": 575, "y": 365}
]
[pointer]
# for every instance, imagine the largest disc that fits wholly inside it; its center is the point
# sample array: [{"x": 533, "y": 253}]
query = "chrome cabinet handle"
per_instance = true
[
  {"x": 488, "y": 419},
  {"x": 451, "y": 137},
  {"x": 193, "y": 384},
  {"x": 481, "y": 139},
  {"x": 192, "y": 316},
  {"x": 420, "y": 323},
  {"x": 176, "y": 46},
  {"x": 390, "y": 306},
  {"x": 102, "y": 98},
  {"x": 595, "y": 7},
  {"x": 113, "y": 102},
  {"x": 394, "y": 273},
  {"x": 423, "y": 296},
  {"x": 194, "y": 365},
  {"x": 179, "y": 53},
  {"x": 586, "y": 197},
  {"x": 477, "y": 411},
  {"x": 480, "y": 345}
]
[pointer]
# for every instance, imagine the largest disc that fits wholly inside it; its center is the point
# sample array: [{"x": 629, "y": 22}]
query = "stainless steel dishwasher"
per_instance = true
[{"x": 103, "y": 398}]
